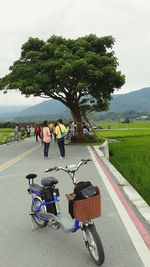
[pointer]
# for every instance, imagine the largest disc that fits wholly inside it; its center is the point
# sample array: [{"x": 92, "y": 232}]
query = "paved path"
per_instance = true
[{"x": 20, "y": 246}]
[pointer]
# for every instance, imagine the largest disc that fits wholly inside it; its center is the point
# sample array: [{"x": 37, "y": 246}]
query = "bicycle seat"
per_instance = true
[
  {"x": 49, "y": 181},
  {"x": 31, "y": 176},
  {"x": 35, "y": 188}
]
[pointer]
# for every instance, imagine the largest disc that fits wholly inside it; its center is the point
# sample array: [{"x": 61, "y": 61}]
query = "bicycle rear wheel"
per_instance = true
[
  {"x": 94, "y": 244},
  {"x": 41, "y": 223}
]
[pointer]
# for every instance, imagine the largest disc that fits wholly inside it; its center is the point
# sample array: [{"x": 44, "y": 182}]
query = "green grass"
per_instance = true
[
  {"x": 131, "y": 157},
  {"x": 123, "y": 133},
  {"x": 5, "y": 133},
  {"x": 115, "y": 125},
  {"x": 6, "y": 130}
]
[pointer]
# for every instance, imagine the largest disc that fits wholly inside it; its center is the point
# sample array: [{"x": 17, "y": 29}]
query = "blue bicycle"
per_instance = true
[{"x": 84, "y": 206}]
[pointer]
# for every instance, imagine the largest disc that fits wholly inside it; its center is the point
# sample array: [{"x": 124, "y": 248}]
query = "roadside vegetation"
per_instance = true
[
  {"x": 131, "y": 155},
  {"x": 5, "y": 134},
  {"x": 120, "y": 125}
]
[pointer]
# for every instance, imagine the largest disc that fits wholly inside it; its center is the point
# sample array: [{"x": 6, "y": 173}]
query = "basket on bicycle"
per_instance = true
[{"x": 87, "y": 209}]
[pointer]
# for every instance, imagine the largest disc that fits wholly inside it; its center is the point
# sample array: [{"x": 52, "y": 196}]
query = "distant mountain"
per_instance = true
[
  {"x": 10, "y": 109},
  {"x": 47, "y": 110},
  {"x": 51, "y": 107},
  {"x": 137, "y": 101}
]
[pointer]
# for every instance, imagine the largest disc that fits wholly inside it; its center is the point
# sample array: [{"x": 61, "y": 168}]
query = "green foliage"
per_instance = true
[
  {"x": 6, "y": 125},
  {"x": 67, "y": 70},
  {"x": 5, "y": 134},
  {"x": 6, "y": 130}
]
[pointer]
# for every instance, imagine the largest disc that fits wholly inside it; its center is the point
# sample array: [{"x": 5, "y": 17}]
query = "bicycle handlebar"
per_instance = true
[
  {"x": 50, "y": 169},
  {"x": 85, "y": 160},
  {"x": 69, "y": 168}
]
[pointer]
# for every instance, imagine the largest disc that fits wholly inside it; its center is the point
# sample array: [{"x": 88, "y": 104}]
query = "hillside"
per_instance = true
[
  {"x": 11, "y": 109},
  {"x": 50, "y": 107},
  {"x": 137, "y": 101}
]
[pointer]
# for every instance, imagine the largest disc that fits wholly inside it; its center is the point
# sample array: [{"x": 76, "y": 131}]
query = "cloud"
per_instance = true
[
  {"x": 14, "y": 97},
  {"x": 128, "y": 21}
]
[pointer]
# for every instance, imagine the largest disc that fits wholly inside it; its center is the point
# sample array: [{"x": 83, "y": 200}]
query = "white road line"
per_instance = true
[{"x": 136, "y": 238}]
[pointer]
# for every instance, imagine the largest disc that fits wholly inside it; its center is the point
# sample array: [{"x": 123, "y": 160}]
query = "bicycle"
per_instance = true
[{"x": 45, "y": 209}]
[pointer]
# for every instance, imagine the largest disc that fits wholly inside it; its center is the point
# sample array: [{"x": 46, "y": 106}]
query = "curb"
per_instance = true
[{"x": 137, "y": 201}]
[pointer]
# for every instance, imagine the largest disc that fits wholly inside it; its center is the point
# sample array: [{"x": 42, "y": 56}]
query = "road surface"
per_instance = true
[{"x": 22, "y": 245}]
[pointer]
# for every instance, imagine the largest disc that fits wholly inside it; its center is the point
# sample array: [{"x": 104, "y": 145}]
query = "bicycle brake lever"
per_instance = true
[
  {"x": 47, "y": 170},
  {"x": 86, "y": 160},
  {"x": 50, "y": 169}
]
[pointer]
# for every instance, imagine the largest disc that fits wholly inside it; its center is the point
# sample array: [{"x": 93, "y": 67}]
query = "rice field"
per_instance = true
[{"x": 131, "y": 155}]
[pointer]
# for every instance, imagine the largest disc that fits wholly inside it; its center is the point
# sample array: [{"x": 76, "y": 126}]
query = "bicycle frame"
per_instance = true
[
  {"x": 44, "y": 203},
  {"x": 44, "y": 215}
]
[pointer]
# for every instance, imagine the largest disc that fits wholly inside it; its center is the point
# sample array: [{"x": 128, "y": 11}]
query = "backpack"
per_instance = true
[{"x": 82, "y": 190}]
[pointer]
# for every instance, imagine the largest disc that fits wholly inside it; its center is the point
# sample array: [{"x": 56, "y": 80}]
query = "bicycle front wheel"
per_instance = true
[
  {"x": 94, "y": 244},
  {"x": 41, "y": 223}
]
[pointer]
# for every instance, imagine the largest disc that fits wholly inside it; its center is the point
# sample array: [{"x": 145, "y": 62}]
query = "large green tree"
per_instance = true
[{"x": 81, "y": 73}]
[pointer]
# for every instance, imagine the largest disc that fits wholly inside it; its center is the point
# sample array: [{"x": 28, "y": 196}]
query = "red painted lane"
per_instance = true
[{"x": 143, "y": 232}]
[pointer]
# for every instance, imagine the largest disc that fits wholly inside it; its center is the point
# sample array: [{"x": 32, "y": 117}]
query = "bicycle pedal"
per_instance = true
[{"x": 31, "y": 213}]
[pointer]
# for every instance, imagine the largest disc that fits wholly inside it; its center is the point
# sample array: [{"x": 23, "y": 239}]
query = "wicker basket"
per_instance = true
[{"x": 87, "y": 209}]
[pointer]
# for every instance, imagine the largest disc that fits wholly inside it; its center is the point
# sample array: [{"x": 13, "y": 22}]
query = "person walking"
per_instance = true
[
  {"x": 46, "y": 138},
  {"x": 60, "y": 132},
  {"x": 54, "y": 132},
  {"x": 16, "y": 133},
  {"x": 37, "y": 132},
  {"x": 51, "y": 129},
  {"x": 22, "y": 130},
  {"x": 28, "y": 131}
]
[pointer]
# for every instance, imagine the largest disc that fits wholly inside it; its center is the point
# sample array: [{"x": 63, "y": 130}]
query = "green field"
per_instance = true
[
  {"x": 123, "y": 133},
  {"x": 131, "y": 155},
  {"x": 118, "y": 125},
  {"x": 5, "y": 134}
]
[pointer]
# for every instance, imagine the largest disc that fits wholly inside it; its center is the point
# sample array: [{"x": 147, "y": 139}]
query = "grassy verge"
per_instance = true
[
  {"x": 5, "y": 133},
  {"x": 131, "y": 156}
]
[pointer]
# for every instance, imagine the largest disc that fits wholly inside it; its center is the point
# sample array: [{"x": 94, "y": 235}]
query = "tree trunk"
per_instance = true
[
  {"x": 86, "y": 119},
  {"x": 78, "y": 121}
]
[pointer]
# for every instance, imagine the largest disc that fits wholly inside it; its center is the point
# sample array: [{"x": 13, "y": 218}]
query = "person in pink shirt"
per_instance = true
[{"x": 46, "y": 138}]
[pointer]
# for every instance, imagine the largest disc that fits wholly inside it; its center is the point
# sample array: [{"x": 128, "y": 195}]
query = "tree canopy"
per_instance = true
[{"x": 81, "y": 73}]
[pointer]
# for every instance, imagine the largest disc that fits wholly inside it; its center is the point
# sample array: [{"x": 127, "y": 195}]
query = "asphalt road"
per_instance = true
[{"x": 22, "y": 245}]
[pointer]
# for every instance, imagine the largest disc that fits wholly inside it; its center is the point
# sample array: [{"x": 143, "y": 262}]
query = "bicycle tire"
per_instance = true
[
  {"x": 39, "y": 222},
  {"x": 94, "y": 244}
]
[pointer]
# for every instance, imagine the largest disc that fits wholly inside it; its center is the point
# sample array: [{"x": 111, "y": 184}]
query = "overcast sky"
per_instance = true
[{"x": 128, "y": 21}]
